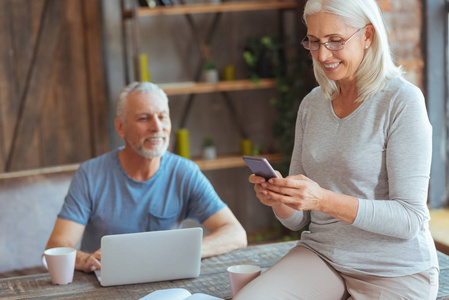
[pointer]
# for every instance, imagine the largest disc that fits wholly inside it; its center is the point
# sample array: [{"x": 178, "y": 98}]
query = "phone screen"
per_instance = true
[{"x": 260, "y": 167}]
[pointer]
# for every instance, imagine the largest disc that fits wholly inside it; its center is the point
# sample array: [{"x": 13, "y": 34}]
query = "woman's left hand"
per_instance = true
[{"x": 297, "y": 192}]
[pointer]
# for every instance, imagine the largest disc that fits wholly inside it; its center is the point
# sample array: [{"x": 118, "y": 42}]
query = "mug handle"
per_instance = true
[{"x": 44, "y": 261}]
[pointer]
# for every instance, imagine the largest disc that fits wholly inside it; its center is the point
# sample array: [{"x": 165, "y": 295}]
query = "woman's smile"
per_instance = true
[{"x": 331, "y": 66}]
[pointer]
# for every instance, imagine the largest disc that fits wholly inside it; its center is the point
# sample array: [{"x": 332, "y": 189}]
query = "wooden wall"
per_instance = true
[{"x": 52, "y": 88}]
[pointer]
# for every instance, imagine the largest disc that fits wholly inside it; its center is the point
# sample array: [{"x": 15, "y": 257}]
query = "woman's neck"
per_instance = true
[{"x": 344, "y": 104}]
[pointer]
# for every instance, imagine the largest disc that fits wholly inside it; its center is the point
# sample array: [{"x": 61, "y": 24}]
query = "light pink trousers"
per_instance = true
[{"x": 302, "y": 274}]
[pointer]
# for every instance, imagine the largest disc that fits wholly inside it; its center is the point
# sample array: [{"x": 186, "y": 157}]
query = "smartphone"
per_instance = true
[{"x": 260, "y": 167}]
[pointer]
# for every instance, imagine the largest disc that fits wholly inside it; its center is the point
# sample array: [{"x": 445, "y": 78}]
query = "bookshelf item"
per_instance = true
[
  {"x": 182, "y": 136},
  {"x": 144, "y": 71},
  {"x": 229, "y": 73},
  {"x": 246, "y": 147}
]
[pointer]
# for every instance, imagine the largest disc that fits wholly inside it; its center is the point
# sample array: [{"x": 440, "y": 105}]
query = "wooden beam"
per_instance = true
[
  {"x": 6, "y": 81},
  {"x": 40, "y": 171},
  {"x": 35, "y": 87},
  {"x": 95, "y": 77}
]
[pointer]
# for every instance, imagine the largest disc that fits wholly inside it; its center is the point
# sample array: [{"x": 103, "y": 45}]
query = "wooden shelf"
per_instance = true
[
  {"x": 202, "y": 8},
  {"x": 221, "y": 86},
  {"x": 232, "y": 161}
]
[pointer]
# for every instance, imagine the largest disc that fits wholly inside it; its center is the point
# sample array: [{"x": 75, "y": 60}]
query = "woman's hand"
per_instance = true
[
  {"x": 297, "y": 192},
  {"x": 261, "y": 192},
  {"x": 301, "y": 193},
  {"x": 279, "y": 209}
]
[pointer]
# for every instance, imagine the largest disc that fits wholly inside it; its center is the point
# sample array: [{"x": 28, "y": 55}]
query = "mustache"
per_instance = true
[{"x": 156, "y": 136}]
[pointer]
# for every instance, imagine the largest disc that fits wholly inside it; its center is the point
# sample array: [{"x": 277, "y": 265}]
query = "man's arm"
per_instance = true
[
  {"x": 225, "y": 234},
  {"x": 67, "y": 234}
]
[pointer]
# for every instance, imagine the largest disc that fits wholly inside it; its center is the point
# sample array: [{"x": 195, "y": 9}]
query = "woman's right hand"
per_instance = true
[
  {"x": 281, "y": 210},
  {"x": 261, "y": 192}
]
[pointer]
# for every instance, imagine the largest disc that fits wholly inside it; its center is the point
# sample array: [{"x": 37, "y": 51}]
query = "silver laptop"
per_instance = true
[{"x": 150, "y": 256}]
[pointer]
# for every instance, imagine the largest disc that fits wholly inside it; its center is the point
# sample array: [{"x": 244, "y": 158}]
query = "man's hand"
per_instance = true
[
  {"x": 88, "y": 262},
  {"x": 68, "y": 233}
]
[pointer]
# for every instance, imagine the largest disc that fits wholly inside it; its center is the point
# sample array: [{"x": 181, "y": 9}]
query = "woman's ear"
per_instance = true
[{"x": 369, "y": 34}]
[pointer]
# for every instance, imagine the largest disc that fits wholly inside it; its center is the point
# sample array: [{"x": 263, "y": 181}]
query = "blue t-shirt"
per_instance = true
[{"x": 107, "y": 201}]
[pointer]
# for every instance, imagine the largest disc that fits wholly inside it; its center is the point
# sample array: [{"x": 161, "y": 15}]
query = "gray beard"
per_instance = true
[{"x": 153, "y": 153}]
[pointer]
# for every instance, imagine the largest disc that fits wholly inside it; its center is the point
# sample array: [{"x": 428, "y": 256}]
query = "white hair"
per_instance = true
[
  {"x": 377, "y": 65},
  {"x": 144, "y": 87}
]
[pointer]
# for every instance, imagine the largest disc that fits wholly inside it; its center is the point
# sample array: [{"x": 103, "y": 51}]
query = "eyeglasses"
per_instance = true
[{"x": 332, "y": 45}]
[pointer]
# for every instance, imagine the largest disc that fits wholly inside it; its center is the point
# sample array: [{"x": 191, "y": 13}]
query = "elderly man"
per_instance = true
[{"x": 141, "y": 187}]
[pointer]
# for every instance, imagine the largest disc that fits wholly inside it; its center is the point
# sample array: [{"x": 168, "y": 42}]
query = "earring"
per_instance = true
[{"x": 366, "y": 47}]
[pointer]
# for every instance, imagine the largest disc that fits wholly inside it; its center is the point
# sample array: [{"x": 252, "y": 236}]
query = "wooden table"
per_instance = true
[{"x": 213, "y": 279}]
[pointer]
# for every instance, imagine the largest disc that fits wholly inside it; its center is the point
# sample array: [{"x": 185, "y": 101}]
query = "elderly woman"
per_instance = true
[{"x": 359, "y": 171}]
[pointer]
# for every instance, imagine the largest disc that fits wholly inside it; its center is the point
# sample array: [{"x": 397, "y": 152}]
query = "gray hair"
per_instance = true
[
  {"x": 144, "y": 87},
  {"x": 377, "y": 65}
]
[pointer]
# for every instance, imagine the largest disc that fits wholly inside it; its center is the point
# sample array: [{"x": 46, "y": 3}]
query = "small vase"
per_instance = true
[
  {"x": 210, "y": 75},
  {"x": 209, "y": 152}
]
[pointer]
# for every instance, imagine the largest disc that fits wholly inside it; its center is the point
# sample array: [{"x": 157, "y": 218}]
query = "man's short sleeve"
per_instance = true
[
  {"x": 203, "y": 199},
  {"x": 77, "y": 206}
]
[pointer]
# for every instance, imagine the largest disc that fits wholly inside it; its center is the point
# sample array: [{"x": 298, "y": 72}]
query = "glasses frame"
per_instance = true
[{"x": 326, "y": 44}]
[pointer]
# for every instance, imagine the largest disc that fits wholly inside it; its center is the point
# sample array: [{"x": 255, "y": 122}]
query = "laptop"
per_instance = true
[{"x": 150, "y": 256}]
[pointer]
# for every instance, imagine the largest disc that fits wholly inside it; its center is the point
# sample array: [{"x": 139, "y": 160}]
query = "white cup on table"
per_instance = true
[
  {"x": 241, "y": 275},
  {"x": 60, "y": 262}
]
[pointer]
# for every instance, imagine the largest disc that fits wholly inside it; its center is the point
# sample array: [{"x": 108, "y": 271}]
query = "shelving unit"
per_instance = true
[
  {"x": 181, "y": 88},
  {"x": 195, "y": 87},
  {"x": 231, "y": 161},
  {"x": 191, "y": 9}
]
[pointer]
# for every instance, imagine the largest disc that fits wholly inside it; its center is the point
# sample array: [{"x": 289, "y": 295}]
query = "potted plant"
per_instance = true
[
  {"x": 264, "y": 57},
  {"x": 210, "y": 72},
  {"x": 209, "y": 150}
]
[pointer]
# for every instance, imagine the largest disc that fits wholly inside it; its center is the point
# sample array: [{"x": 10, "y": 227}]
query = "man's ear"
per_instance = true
[{"x": 119, "y": 127}]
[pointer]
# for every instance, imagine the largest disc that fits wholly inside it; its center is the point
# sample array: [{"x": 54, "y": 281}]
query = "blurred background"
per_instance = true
[{"x": 63, "y": 63}]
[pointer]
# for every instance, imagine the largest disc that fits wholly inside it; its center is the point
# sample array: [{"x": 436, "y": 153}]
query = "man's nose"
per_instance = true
[{"x": 155, "y": 124}]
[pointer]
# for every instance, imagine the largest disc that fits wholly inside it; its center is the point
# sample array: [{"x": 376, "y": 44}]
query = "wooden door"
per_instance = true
[{"x": 52, "y": 88}]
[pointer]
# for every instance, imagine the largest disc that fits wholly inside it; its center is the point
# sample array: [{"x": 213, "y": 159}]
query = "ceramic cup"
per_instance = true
[
  {"x": 240, "y": 275},
  {"x": 60, "y": 262}
]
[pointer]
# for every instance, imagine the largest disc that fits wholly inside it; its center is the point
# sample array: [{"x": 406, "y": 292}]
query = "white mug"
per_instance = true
[
  {"x": 60, "y": 262},
  {"x": 241, "y": 275}
]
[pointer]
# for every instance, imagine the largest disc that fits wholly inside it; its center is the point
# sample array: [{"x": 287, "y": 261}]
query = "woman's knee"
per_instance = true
[{"x": 300, "y": 273}]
